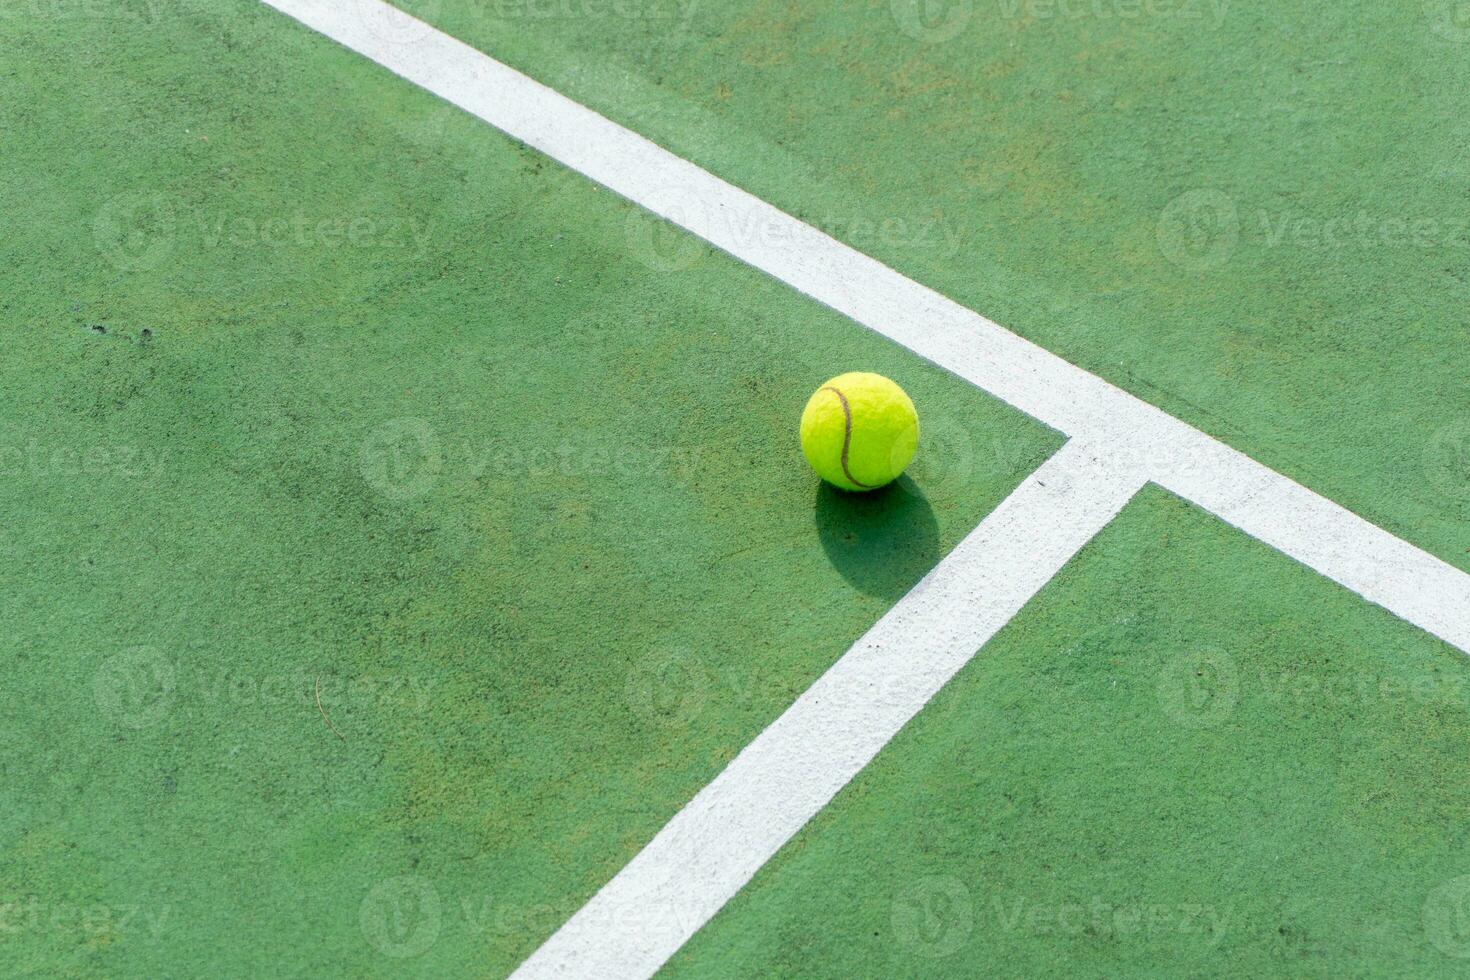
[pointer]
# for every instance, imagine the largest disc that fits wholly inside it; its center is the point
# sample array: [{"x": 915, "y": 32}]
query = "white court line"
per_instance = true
[
  {"x": 1410, "y": 583},
  {"x": 713, "y": 846},
  {"x": 707, "y": 852}
]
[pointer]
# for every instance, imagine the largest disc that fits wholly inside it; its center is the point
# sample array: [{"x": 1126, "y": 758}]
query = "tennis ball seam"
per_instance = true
[{"x": 846, "y": 436}]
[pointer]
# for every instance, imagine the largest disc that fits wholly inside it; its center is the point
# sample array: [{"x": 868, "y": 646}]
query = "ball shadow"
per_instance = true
[{"x": 881, "y": 542}]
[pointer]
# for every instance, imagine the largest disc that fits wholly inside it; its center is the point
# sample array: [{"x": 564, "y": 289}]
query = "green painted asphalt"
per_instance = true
[
  {"x": 309, "y": 379},
  {"x": 312, "y": 380},
  {"x": 1256, "y": 216},
  {"x": 1188, "y": 756}
]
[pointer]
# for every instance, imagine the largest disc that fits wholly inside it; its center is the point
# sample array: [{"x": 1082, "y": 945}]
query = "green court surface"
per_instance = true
[
  {"x": 400, "y": 529},
  {"x": 1242, "y": 213},
  {"x": 1165, "y": 766}
]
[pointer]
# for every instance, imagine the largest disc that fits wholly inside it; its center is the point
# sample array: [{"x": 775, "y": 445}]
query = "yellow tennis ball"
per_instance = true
[{"x": 859, "y": 431}]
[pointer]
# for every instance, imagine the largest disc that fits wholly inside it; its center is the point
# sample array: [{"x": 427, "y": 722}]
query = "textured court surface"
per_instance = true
[
  {"x": 317, "y": 384},
  {"x": 1258, "y": 219}
]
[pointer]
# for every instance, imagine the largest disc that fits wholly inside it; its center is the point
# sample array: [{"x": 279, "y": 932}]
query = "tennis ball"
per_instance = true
[{"x": 859, "y": 431}]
